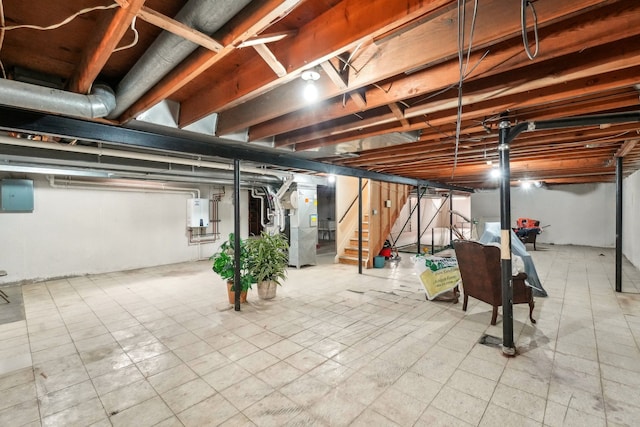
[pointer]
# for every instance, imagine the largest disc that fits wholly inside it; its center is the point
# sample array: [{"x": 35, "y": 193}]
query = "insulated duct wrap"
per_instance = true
[
  {"x": 168, "y": 50},
  {"x": 33, "y": 97}
]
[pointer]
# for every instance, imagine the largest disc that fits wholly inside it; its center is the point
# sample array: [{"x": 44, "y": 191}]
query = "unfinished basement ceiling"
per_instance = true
[{"x": 389, "y": 77}]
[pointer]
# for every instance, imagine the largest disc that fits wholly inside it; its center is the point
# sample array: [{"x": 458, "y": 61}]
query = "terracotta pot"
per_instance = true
[
  {"x": 267, "y": 289},
  {"x": 232, "y": 294}
]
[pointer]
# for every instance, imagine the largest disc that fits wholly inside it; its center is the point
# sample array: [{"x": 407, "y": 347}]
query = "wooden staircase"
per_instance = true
[
  {"x": 385, "y": 201},
  {"x": 350, "y": 255}
]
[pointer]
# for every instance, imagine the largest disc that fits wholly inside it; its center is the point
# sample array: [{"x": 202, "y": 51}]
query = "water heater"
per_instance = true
[{"x": 197, "y": 213}]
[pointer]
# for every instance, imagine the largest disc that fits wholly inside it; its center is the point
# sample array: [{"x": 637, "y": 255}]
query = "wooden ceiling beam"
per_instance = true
[
  {"x": 341, "y": 28},
  {"x": 271, "y": 60},
  {"x": 586, "y": 31},
  {"x": 520, "y": 167},
  {"x": 179, "y": 29},
  {"x": 550, "y": 81},
  {"x": 338, "y": 79},
  {"x": 267, "y": 38},
  {"x": 253, "y": 20},
  {"x": 445, "y": 159},
  {"x": 324, "y": 137},
  {"x": 108, "y": 33},
  {"x": 400, "y": 54},
  {"x": 442, "y": 157},
  {"x": 532, "y": 140},
  {"x": 626, "y": 147},
  {"x": 399, "y": 113}
]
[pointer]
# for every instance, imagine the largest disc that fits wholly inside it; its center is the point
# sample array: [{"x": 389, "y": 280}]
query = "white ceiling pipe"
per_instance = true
[
  {"x": 21, "y": 142},
  {"x": 120, "y": 186},
  {"x": 168, "y": 50},
  {"x": 98, "y": 104}
]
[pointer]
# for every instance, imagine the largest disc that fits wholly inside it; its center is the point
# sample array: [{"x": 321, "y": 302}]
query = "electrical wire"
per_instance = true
[
  {"x": 461, "y": 29},
  {"x": 64, "y": 22},
  {"x": 135, "y": 37},
  {"x": 473, "y": 27},
  {"x": 463, "y": 67},
  {"x": 2, "y": 30},
  {"x": 523, "y": 19}
]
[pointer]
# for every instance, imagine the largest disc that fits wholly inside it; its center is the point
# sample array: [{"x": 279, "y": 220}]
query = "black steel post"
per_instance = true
[
  {"x": 508, "y": 347},
  {"x": 237, "y": 282},
  {"x": 619, "y": 224},
  {"x": 450, "y": 218},
  {"x": 419, "y": 215},
  {"x": 359, "y": 225}
]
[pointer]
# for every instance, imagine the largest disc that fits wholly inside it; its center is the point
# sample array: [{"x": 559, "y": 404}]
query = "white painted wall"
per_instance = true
[
  {"x": 576, "y": 214},
  {"x": 76, "y": 231},
  {"x": 630, "y": 218}
]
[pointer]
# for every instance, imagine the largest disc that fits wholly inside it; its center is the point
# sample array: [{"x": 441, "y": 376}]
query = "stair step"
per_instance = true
[
  {"x": 351, "y": 260},
  {"x": 353, "y": 241},
  {"x": 354, "y": 252}
]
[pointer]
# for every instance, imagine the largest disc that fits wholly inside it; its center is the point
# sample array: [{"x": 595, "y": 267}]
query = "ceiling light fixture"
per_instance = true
[{"x": 310, "y": 91}]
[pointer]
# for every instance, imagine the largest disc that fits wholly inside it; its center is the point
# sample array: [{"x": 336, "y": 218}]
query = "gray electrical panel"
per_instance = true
[
  {"x": 302, "y": 203},
  {"x": 16, "y": 195}
]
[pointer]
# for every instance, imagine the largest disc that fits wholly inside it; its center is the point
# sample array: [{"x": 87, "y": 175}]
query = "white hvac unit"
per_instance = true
[{"x": 197, "y": 213}]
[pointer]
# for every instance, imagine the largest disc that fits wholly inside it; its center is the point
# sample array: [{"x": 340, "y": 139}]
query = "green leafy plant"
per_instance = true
[
  {"x": 268, "y": 257},
  {"x": 224, "y": 263}
]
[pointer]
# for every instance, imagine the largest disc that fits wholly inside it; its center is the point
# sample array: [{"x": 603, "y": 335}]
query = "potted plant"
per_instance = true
[
  {"x": 268, "y": 258},
  {"x": 224, "y": 266}
]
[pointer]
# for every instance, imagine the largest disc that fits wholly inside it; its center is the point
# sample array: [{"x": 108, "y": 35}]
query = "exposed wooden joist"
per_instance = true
[
  {"x": 252, "y": 21},
  {"x": 270, "y": 59},
  {"x": 341, "y": 28},
  {"x": 627, "y": 100},
  {"x": 586, "y": 31},
  {"x": 267, "y": 38},
  {"x": 179, "y": 29},
  {"x": 436, "y": 39},
  {"x": 504, "y": 92},
  {"x": 109, "y": 31},
  {"x": 399, "y": 113},
  {"x": 626, "y": 147},
  {"x": 337, "y": 79}
]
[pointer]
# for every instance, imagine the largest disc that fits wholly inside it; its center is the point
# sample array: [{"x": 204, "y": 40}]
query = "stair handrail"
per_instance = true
[
  {"x": 393, "y": 241},
  {"x": 352, "y": 203},
  {"x": 432, "y": 219}
]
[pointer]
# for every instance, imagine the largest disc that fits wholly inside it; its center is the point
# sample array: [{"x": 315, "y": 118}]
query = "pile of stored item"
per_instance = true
[{"x": 527, "y": 230}]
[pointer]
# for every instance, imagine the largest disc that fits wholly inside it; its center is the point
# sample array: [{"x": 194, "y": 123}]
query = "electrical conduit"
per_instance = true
[{"x": 136, "y": 156}]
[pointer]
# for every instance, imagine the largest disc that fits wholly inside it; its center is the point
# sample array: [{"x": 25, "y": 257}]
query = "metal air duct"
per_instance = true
[
  {"x": 168, "y": 50},
  {"x": 33, "y": 97}
]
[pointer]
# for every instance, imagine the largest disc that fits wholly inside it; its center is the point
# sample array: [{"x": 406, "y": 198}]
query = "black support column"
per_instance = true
[
  {"x": 450, "y": 218},
  {"x": 508, "y": 346},
  {"x": 237, "y": 282},
  {"x": 419, "y": 215},
  {"x": 619, "y": 224},
  {"x": 359, "y": 225}
]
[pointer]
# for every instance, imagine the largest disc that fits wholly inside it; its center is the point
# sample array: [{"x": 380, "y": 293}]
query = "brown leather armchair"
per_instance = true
[{"x": 481, "y": 277}]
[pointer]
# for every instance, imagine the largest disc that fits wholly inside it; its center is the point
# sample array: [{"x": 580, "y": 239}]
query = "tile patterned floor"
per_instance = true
[{"x": 160, "y": 346}]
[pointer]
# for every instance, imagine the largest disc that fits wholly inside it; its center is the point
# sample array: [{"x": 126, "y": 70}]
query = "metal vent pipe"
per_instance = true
[
  {"x": 98, "y": 104},
  {"x": 168, "y": 50}
]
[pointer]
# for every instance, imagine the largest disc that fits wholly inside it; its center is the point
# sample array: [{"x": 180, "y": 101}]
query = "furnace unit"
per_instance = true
[{"x": 302, "y": 202}]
